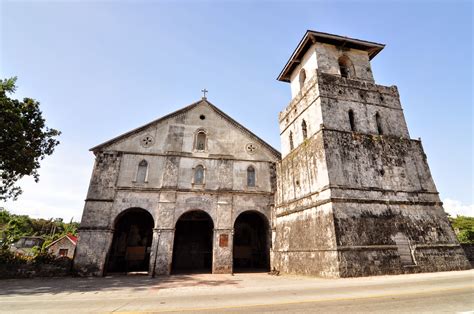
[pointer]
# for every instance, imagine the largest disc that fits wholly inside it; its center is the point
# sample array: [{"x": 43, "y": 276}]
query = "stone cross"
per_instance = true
[{"x": 204, "y": 91}]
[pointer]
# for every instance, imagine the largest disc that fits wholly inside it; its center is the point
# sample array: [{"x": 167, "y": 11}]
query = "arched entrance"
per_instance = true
[
  {"x": 131, "y": 244},
  {"x": 192, "y": 249},
  {"x": 251, "y": 244}
]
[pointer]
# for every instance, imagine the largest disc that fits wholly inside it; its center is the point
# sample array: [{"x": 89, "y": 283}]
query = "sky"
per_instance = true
[{"x": 101, "y": 68}]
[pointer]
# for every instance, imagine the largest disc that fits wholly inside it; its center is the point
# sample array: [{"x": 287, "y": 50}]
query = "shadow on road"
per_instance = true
[{"x": 117, "y": 282}]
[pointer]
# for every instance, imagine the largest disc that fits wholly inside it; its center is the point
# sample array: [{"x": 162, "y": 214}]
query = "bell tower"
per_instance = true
[{"x": 355, "y": 195}]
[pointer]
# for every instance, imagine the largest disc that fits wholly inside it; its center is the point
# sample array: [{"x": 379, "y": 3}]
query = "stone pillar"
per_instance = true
[
  {"x": 153, "y": 252},
  {"x": 163, "y": 253},
  {"x": 222, "y": 251},
  {"x": 272, "y": 245},
  {"x": 92, "y": 250}
]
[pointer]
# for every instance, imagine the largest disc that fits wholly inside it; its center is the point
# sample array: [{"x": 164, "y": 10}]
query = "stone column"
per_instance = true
[
  {"x": 222, "y": 251},
  {"x": 153, "y": 252},
  {"x": 163, "y": 255},
  {"x": 272, "y": 245},
  {"x": 92, "y": 250}
]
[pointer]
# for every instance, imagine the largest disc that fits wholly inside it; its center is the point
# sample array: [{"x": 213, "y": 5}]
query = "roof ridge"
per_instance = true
[
  {"x": 243, "y": 128},
  {"x": 170, "y": 115}
]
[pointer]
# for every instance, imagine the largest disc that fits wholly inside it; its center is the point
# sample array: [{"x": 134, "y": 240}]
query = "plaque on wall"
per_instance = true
[{"x": 224, "y": 240}]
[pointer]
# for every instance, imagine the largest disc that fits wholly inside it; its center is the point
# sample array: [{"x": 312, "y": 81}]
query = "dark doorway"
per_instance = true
[
  {"x": 192, "y": 249},
  {"x": 251, "y": 249},
  {"x": 131, "y": 244}
]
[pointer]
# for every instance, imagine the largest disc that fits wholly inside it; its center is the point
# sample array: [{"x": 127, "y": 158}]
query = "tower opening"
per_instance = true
[
  {"x": 251, "y": 243},
  {"x": 351, "y": 120},
  {"x": 131, "y": 244},
  {"x": 379, "y": 123},
  {"x": 304, "y": 129},
  {"x": 291, "y": 141},
  {"x": 192, "y": 249},
  {"x": 345, "y": 67}
]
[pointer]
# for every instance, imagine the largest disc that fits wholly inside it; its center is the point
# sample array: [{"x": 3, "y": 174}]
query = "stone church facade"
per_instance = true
[
  {"x": 166, "y": 197},
  {"x": 350, "y": 195}
]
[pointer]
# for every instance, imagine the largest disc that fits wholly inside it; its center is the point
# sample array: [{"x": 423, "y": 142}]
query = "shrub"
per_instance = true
[{"x": 8, "y": 257}]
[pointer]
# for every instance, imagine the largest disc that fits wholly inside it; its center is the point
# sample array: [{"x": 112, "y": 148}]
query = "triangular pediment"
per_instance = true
[{"x": 185, "y": 121}]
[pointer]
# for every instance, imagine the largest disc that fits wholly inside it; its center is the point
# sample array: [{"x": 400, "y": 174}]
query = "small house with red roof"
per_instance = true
[{"x": 64, "y": 246}]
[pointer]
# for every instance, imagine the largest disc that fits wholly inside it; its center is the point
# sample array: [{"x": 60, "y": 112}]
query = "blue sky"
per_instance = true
[{"x": 102, "y": 68}]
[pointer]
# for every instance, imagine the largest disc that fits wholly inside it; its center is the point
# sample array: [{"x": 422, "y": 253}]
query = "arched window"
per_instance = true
[
  {"x": 378, "y": 120},
  {"x": 291, "y": 141},
  {"x": 201, "y": 141},
  {"x": 142, "y": 171},
  {"x": 250, "y": 176},
  {"x": 199, "y": 175},
  {"x": 302, "y": 78},
  {"x": 352, "y": 120},
  {"x": 345, "y": 67},
  {"x": 304, "y": 128}
]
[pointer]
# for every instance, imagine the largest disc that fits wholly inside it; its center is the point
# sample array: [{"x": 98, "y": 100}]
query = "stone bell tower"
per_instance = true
[{"x": 355, "y": 195}]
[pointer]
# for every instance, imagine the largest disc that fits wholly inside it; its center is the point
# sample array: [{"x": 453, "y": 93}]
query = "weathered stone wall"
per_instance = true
[
  {"x": 305, "y": 242},
  {"x": 95, "y": 232},
  {"x": 328, "y": 56},
  {"x": 92, "y": 248},
  {"x": 309, "y": 63},
  {"x": 305, "y": 106},
  {"x": 366, "y": 238},
  {"x": 303, "y": 172},
  {"x": 374, "y": 162},
  {"x": 339, "y": 95},
  {"x": 325, "y": 101},
  {"x": 60, "y": 268}
]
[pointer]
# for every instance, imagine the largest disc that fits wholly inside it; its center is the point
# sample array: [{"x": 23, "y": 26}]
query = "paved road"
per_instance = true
[{"x": 435, "y": 292}]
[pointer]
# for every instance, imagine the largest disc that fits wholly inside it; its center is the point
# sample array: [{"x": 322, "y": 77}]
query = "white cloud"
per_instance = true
[{"x": 455, "y": 208}]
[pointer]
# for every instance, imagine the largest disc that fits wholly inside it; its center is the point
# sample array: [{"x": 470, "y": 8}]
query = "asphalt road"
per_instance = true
[{"x": 448, "y": 292}]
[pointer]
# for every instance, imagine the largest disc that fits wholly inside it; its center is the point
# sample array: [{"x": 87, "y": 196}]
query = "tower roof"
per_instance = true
[{"x": 312, "y": 37}]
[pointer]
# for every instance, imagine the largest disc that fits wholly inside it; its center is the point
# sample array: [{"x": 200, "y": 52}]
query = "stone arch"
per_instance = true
[
  {"x": 193, "y": 242},
  {"x": 196, "y": 204},
  {"x": 251, "y": 242},
  {"x": 346, "y": 67},
  {"x": 132, "y": 240},
  {"x": 123, "y": 208},
  {"x": 258, "y": 210}
]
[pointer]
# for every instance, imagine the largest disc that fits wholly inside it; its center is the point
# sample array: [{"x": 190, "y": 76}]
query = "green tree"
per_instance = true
[
  {"x": 24, "y": 139},
  {"x": 12, "y": 227},
  {"x": 464, "y": 227}
]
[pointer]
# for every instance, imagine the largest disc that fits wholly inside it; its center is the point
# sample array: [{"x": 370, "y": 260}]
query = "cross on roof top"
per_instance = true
[{"x": 204, "y": 91}]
